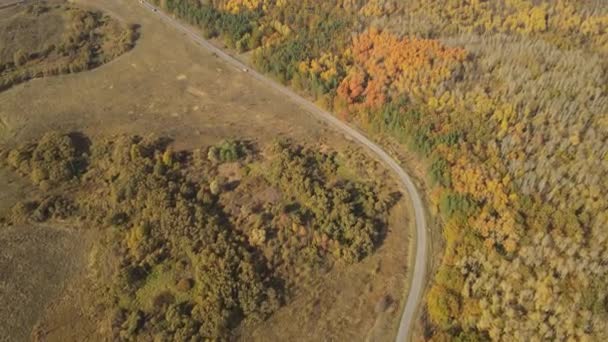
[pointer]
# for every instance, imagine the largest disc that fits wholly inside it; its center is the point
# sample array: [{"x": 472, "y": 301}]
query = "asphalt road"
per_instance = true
[{"x": 419, "y": 272}]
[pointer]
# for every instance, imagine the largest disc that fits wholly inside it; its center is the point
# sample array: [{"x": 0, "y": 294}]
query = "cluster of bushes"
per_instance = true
[
  {"x": 340, "y": 217},
  {"x": 163, "y": 220},
  {"x": 55, "y": 159},
  {"x": 227, "y": 151},
  {"x": 89, "y": 40},
  {"x": 189, "y": 266},
  {"x": 50, "y": 207}
]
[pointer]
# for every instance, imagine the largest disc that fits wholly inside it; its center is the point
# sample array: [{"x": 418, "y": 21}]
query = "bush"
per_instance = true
[
  {"x": 443, "y": 306},
  {"x": 227, "y": 151},
  {"x": 21, "y": 211},
  {"x": 19, "y": 58},
  {"x": 342, "y": 212},
  {"x": 453, "y": 204},
  {"x": 440, "y": 172},
  {"x": 54, "y": 158}
]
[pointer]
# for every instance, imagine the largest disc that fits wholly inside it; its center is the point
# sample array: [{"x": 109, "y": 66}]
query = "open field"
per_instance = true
[
  {"x": 168, "y": 87},
  {"x": 36, "y": 263}
]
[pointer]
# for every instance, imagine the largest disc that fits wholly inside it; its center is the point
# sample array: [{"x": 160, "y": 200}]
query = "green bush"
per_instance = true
[
  {"x": 54, "y": 158},
  {"x": 453, "y": 204},
  {"x": 227, "y": 151},
  {"x": 440, "y": 172}
]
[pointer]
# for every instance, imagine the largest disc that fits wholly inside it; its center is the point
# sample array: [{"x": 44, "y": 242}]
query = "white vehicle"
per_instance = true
[{"x": 245, "y": 70}]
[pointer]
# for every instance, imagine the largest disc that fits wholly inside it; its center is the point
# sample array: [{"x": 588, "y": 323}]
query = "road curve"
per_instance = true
[{"x": 419, "y": 273}]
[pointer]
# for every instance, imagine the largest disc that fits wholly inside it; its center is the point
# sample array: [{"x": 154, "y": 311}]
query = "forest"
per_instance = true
[
  {"x": 506, "y": 101},
  {"x": 200, "y": 241}
]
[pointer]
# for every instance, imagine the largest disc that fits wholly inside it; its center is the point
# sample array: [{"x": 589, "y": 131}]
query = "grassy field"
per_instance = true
[
  {"x": 168, "y": 87},
  {"x": 35, "y": 262}
]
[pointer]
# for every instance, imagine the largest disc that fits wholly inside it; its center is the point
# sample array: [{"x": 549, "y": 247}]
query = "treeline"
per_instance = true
[
  {"x": 236, "y": 29},
  {"x": 199, "y": 252}
]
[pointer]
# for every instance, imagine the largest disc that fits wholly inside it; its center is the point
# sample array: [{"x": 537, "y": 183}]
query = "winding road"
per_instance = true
[{"x": 418, "y": 275}]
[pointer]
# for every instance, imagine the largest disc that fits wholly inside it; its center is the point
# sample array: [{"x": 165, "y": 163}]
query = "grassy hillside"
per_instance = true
[
  {"x": 51, "y": 38},
  {"x": 506, "y": 101}
]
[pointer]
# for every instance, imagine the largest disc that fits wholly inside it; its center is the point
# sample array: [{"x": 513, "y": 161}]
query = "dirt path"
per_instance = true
[{"x": 419, "y": 271}]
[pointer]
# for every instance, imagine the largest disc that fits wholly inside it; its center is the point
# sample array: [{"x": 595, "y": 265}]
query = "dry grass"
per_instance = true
[
  {"x": 35, "y": 263},
  {"x": 24, "y": 31}
]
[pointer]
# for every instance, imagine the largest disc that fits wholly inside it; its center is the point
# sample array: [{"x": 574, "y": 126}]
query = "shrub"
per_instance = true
[
  {"x": 443, "y": 306},
  {"x": 19, "y": 58},
  {"x": 440, "y": 172},
  {"x": 453, "y": 204},
  {"x": 227, "y": 151}
]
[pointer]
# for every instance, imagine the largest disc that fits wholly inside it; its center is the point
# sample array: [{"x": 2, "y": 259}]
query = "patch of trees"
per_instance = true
[
  {"x": 198, "y": 252},
  {"x": 55, "y": 159},
  {"x": 339, "y": 218},
  {"x": 228, "y": 151},
  {"x": 565, "y": 24},
  {"x": 281, "y": 36},
  {"x": 310, "y": 37},
  {"x": 238, "y": 30}
]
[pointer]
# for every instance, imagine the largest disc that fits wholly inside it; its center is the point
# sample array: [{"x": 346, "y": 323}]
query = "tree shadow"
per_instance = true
[
  {"x": 82, "y": 144},
  {"x": 383, "y": 227}
]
